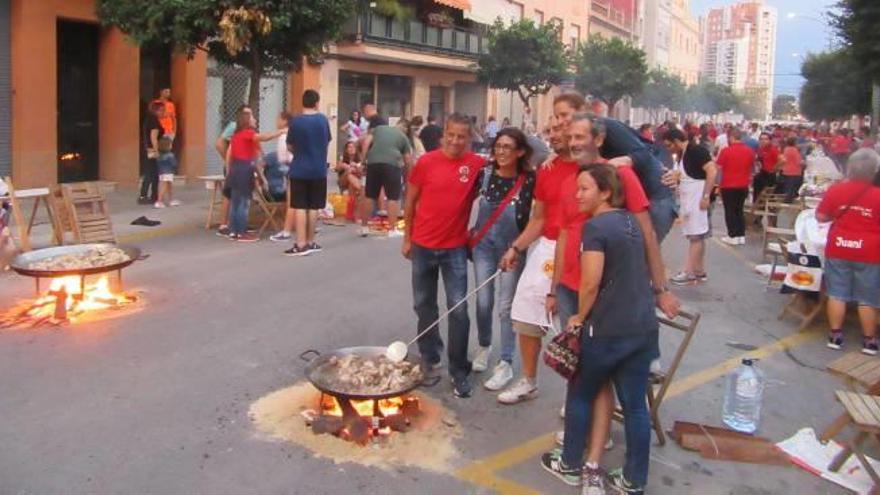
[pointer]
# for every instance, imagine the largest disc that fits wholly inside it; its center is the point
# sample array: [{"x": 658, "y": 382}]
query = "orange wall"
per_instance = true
[{"x": 34, "y": 97}]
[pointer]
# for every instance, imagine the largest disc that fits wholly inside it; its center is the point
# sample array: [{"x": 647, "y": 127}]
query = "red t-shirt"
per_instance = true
[
  {"x": 736, "y": 162},
  {"x": 854, "y": 235},
  {"x": 793, "y": 161},
  {"x": 245, "y": 145},
  {"x": 768, "y": 157},
  {"x": 446, "y": 194},
  {"x": 548, "y": 190},
  {"x": 839, "y": 145},
  {"x": 574, "y": 220}
]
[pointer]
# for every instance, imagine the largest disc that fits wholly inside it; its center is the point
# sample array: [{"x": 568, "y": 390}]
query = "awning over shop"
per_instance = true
[
  {"x": 464, "y": 5},
  {"x": 486, "y": 11}
]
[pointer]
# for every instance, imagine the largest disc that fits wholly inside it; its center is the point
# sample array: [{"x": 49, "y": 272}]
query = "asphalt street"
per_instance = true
[{"x": 156, "y": 402}]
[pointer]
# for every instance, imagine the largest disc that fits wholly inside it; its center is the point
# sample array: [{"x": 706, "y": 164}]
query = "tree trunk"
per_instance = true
[{"x": 254, "y": 90}]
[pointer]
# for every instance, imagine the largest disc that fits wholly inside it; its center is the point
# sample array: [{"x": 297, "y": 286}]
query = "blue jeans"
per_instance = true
[
  {"x": 791, "y": 184},
  {"x": 427, "y": 266},
  {"x": 239, "y": 206},
  {"x": 566, "y": 304},
  {"x": 626, "y": 361},
  {"x": 486, "y": 256},
  {"x": 663, "y": 213}
]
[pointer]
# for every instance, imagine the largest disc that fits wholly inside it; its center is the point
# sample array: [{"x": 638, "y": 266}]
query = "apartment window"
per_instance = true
[
  {"x": 575, "y": 34},
  {"x": 539, "y": 17}
]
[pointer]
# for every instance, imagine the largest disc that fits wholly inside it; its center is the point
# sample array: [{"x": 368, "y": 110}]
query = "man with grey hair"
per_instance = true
[{"x": 852, "y": 252}]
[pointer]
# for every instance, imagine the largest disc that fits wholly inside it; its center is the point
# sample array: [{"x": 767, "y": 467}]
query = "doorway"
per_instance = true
[
  {"x": 437, "y": 104},
  {"x": 77, "y": 49}
]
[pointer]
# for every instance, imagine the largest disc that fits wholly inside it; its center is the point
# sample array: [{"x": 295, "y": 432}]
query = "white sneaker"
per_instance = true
[
  {"x": 395, "y": 233},
  {"x": 741, "y": 240},
  {"x": 158, "y": 204},
  {"x": 560, "y": 439},
  {"x": 520, "y": 391},
  {"x": 365, "y": 231},
  {"x": 730, "y": 241},
  {"x": 481, "y": 360},
  {"x": 281, "y": 236},
  {"x": 174, "y": 202},
  {"x": 501, "y": 376},
  {"x": 562, "y": 411}
]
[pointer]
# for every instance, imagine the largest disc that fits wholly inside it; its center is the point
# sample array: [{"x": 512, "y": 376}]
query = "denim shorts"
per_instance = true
[{"x": 852, "y": 281}]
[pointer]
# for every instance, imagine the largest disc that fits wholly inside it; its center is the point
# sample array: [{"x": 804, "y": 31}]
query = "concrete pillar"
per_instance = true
[
  {"x": 34, "y": 93},
  {"x": 308, "y": 77},
  {"x": 189, "y": 91},
  {"x": 118, "y": 113}
]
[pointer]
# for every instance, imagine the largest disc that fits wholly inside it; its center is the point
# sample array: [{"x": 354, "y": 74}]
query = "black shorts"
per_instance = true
[
  {"x": 383, "y": 176},
  {"x": 308, "y": 194}
]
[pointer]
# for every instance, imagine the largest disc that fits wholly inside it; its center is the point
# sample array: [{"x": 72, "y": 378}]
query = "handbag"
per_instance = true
[
  {"x": 474, "y": 238},
  {"x": 563, "y": 353},
  {"x": 804, "y": 273}
]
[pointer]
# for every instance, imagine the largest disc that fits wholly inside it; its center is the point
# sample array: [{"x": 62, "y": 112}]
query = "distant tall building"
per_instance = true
[{"x": 739, "y": 49}]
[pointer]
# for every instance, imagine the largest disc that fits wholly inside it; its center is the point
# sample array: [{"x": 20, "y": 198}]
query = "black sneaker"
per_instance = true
[
  {"x": 315, "y": 247},
  {"x": 223, "y": 231},
  {"x": 619, "y": 483},
  {"x": 461, "y": 387},
  {"x": 552, "y": 462},
  {"x": 869, "y": 346},
  {"x": 835, "y": 341},
  {"x": 297, "y": 251}
]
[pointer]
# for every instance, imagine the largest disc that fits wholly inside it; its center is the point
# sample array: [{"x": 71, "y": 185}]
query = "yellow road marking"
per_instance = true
[{"x": 483, "y": 472}]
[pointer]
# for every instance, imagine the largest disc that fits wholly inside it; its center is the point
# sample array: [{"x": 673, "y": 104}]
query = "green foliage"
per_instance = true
[
  {"x": 856, "y": 22},
  {"x": 784, "y": 107},
  {"x": 297, "y": 28},
  {"x": 835, "y": 86},
  {"x": 710, "y": 98},
  {"x": 394, "y": 9},
  {"x": 662, "y": 90},
  {"x": 523, "y": 58},
  {"x": 609, "y": 69},
  {"x": 753, "y": 104}
]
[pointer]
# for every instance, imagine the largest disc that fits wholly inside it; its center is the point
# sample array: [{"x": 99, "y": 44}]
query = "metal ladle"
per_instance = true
[{"x": 397, "y": 351}]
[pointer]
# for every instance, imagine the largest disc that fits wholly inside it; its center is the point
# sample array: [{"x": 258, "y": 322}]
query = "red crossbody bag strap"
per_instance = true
[{"x": 473, "y": 241}]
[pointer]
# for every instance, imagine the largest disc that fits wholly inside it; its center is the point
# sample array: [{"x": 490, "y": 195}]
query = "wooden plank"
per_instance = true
[
  {"x": 870, "y": 377},
  {"x": 872, "y": 405},
  {"x": 844, "y": 364},
  {"x": 857, "y": 408}
]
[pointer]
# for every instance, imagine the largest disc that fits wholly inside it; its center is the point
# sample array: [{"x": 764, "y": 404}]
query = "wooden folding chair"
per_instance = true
[
  {"x": 863, "y": 413},
  {"x": 775, "y": 241},
  {"x": 17, "y": 212},
  {"x": 269, "y": 210},
  {"x": 659, "y": 381},
  {"x": 89, "y": 213}
]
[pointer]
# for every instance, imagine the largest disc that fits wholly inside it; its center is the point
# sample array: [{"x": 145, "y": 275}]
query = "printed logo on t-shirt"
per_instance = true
[
  {"x": 848, "y": 243},
  {"x": 464, "y": 173}
]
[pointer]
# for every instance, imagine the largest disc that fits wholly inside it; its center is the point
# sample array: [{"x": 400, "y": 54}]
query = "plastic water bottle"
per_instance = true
[{"x": 742, "y": 400}]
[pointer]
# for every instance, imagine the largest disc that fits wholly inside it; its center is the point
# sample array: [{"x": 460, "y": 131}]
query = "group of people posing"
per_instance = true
[{"x": 575, "y": 242}]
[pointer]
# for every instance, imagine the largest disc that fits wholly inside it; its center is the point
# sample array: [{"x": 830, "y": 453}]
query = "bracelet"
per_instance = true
[{"x": 551, "y": 295}]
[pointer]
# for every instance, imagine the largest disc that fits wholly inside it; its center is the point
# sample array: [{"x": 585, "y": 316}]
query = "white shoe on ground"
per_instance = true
[
  {"x": 730, "y": 241},
  {"x": 158, "y": 204},
  {"x": 174, "y": 202},
  {"x": 481, "y": 360},
  {"x": 364, "y": 232},
  {"x": 520, "y": 391},
  {"x": 281, "y": 236},
  {"x": 394, "y": 233},
  {"x": 501, "y": 376},
  {"x": 741, "y": 240},
  {"x": 562, "y": 411}
]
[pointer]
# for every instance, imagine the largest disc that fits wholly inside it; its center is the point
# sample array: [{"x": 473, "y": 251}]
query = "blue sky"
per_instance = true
[{"x": 799, "y": 35}]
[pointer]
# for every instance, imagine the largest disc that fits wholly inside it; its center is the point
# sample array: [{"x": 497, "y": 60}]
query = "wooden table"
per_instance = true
[
  {"x": 38, "y": 195},
  {"x": 215, "y": 184},
  {"x": 861, "y": 374}
]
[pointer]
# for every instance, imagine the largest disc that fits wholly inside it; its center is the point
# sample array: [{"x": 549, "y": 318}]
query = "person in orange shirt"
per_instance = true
[
  {"x": 169, "y": 121},
  {"x": 792, "y": 170}
]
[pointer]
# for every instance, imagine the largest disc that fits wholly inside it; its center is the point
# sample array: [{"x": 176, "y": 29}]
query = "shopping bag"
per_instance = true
[{"x": 804, "y": 270}]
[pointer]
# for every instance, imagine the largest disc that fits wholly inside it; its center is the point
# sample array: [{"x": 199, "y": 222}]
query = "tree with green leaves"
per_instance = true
[
  {"x": 784, "y": 107},
  {"x": 710, "y": 98},
  {"x": 662, "y": 90},
  {"x": 609, "y": 69},
  {"x": 856, "y": 23},
  {"x": 523, "y": 58},
  {"x": 835, "y": 86},
  {"x": 260, "y": 35}
]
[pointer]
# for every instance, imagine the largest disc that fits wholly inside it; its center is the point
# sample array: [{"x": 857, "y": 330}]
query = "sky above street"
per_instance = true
[{"x": 799, "y": 35}]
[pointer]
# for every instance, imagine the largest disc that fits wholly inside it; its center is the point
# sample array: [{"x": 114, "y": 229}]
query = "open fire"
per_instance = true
[
  {"x": 361, "y": 421},
  {"x": 68, "y": 300}
]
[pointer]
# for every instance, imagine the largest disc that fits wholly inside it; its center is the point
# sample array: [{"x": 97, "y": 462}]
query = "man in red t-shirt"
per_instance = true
[
  {"x": 736, "y": 162},
  {"x": 439, "y": 197},
  {"x": 839, "y": 148},
  {"x": 769, "y": 160},
  {"x": 852, "y": 252}
]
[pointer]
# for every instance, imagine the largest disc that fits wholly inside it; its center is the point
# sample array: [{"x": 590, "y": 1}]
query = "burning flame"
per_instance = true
[
  {"x": 70, "y": 156},
  {"x": 364, "y": 408},
  {"x": 98, "y": 296}
]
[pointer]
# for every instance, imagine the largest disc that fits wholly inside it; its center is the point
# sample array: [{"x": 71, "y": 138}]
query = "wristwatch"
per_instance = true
[{"x": 660, "y": 290}]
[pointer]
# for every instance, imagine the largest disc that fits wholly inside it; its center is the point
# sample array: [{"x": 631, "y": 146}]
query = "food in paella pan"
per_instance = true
[
  {"x": 353, "y": 374},
  {"x": 93, "y": 258}
]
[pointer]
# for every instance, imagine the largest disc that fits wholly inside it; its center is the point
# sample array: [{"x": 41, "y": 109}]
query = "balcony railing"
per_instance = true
[{"x": 415, "y": 34}]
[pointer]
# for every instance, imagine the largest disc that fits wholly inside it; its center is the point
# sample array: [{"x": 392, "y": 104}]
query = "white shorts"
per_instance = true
[{"x": 166, "y": 177}]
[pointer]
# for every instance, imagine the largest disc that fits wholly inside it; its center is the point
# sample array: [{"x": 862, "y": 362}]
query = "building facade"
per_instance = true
[
  {"x": 684, "y": 42},
  {"x": 725, "y": 31},
  {"x": 613, "y": 18}
]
